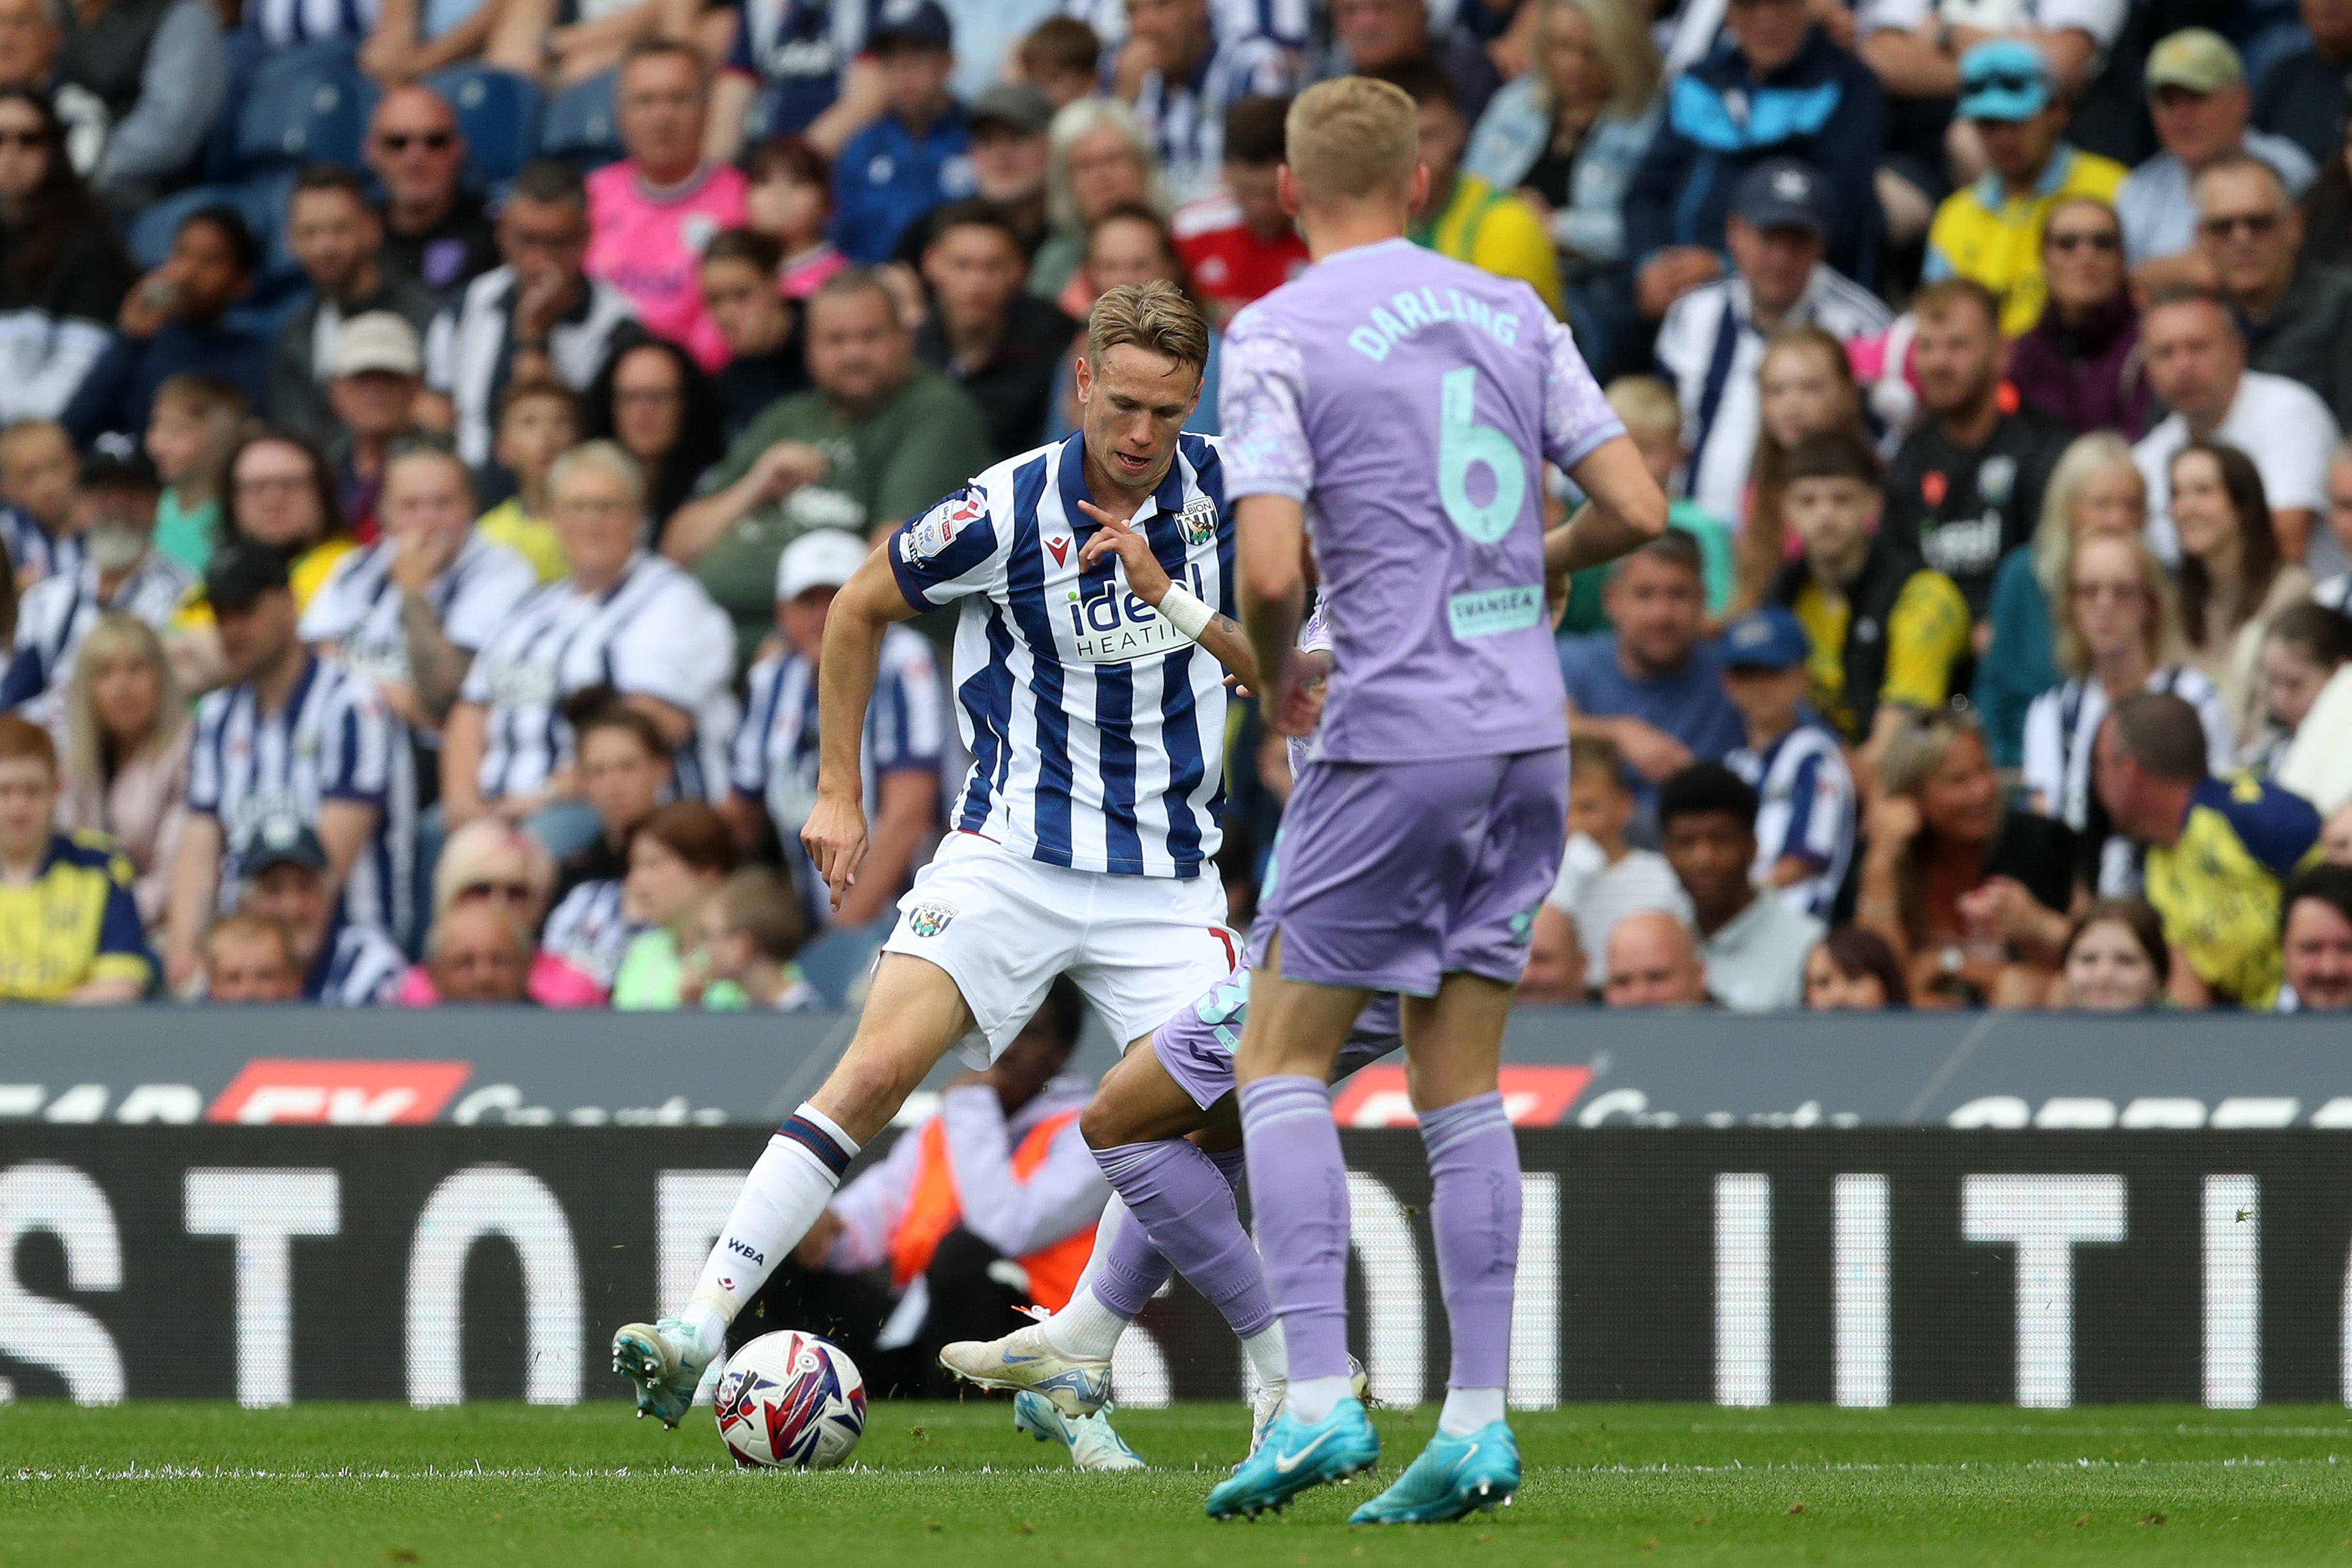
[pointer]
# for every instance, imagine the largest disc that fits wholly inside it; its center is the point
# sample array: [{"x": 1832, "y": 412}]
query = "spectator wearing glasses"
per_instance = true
[
  {"x": 2316, "y": 942},
  {"x": 1097, "y": 161},
  {"x": 2295, "y": 313},
  {"x": 650, "y": 215},
  {"x": 436, "y": 231},
  {"x": 652, "y": 401},
  {"x": 62, "y": 272},
  {"x": 2081, "y": 362},
  {"x": 1990, "y": 231},
  {"x": 493, "y": 865}
]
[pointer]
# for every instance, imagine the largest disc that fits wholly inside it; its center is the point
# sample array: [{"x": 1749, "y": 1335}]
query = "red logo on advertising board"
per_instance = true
[
  {"x": 352, "y": 1093},
  {"x": 1532, "y": 1096}
]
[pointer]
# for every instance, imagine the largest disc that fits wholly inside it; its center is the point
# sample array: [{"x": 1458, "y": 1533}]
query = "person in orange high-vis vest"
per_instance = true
[{"x": 987, "y": 1206}]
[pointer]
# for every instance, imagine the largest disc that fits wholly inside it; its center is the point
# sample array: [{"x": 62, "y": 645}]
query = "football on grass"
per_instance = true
[{"x": 791, "y": 1400}]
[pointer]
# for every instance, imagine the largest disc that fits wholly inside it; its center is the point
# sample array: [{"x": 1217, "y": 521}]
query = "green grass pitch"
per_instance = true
[{"x": 360, "y": 1487}]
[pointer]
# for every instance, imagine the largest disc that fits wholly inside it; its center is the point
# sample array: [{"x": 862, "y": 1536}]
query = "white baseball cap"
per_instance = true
[{"x": 821, "y": 558}]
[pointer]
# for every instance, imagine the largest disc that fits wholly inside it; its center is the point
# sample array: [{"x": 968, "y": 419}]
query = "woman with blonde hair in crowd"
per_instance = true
[
  {"x": 2113, "y": 616},
  {"x": 2114, "y": 961},
  {"x": 1097, "y": 158},
  {"x": 495, "y": 862},
  {"x": 2094, "y": 487},
  {"x": 1805, "y": 386},
  {"x": 2232, "y": 579},
  {"x": 126, "y": 752}
]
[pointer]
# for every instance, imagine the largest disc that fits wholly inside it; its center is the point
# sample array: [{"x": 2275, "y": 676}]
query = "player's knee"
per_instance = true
[{"x": 1102, "y": 1125}]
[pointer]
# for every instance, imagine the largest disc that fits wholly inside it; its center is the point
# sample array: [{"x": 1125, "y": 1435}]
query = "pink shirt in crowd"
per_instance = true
[{"x": 648, "y": 246}]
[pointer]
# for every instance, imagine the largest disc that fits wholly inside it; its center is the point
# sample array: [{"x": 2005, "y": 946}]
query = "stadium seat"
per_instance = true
[
  {"x": 499, "y": 112},
  {"x": 305, "y": 105},
  {"x": 580, "y": 126}
]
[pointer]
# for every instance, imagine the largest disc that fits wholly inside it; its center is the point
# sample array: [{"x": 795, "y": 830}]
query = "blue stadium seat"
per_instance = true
[
  {"x": 304, "y": 105},
  {"x": 499, "y": 112},
  {"x": 580, "y": 126}
]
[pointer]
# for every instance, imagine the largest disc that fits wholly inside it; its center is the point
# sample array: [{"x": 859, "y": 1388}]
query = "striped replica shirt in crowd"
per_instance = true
[
  {"x": 655, "y": 633},
  {"x": 1804, "y": 812},
  {"x": 1096, "y": 729},
  {"x": 333, "y": 740},
  {"x": 284, "y": 23},
  {"x": 1288, "y": 20},
  {"x": 589, "y": 931},
  {"x": 57, "y": 613},
  {"x": 469, "y": 352},
  {"x": 357, "y": 608},
  {"x": 1186, "y": 119},
  {"x": 775, "y": 762},
  {"x": 358, "y": 967},
  {"x": 32, "y": 550}
]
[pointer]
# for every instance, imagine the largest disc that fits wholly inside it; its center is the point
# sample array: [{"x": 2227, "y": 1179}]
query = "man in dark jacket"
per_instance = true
[
  {"x": 338, "y": 239},
  {"x": 173, "y": 322},
  {"x": 1782, "y": 90}
]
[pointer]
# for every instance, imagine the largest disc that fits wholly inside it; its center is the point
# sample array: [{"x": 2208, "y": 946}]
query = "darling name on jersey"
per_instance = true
[{"x": 1415, "y": 311}]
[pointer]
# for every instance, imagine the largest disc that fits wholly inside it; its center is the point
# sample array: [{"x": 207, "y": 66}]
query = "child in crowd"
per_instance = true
[
  {"x": 747, "y": 931},
  {"x": 2306, "y": 645},
  {"x": 791, "y": 200},
  {"x": 539, "y": 421},
  {"x": 37, "y": 482},
  {"x": 190, "y": 433},
  {"x": 1655, "y": 420},
  {"x": 1603, "y": 879},
  {"x": 1061, "y": 55},
  {"x": 1804, "y": 823}
]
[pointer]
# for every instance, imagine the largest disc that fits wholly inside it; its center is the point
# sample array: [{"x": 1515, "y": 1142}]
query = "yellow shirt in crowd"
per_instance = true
[
  {"x": 1983, "y": 233},
  {"x": 1496, "y": 232}
]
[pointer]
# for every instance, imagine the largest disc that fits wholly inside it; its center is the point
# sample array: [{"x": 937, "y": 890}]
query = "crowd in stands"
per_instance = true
[{"x": 431, "y": 435}]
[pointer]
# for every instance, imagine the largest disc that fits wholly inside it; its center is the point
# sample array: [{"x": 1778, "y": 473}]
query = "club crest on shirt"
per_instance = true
[
  {"x": 1199, "y": 521},
  {"x": 697, "y": 230},
  {"x": 930, "y": 920},
  {"x": 1995, "y": 479}
]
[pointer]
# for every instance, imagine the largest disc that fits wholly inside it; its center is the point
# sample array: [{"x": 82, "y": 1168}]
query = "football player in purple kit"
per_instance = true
[{"x": 1392, "y": 405}]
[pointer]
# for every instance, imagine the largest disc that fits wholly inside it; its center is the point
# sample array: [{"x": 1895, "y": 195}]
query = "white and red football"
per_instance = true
[{"x": 791, "y": 1399}]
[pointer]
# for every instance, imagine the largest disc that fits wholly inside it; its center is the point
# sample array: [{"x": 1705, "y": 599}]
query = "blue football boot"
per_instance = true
[
  {"x": 1453, "y": 1476},
  {"x": 1295, "y": 1456}
]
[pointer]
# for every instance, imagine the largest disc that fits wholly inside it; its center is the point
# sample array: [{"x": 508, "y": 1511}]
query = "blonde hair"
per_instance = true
[
  {"x": 2085, "y": 459},
  {"x": 1916, "y": 753},
  {"x": 1077, "y": 119},
  {"x": 1349, "y": 138},
  {"x": 487, "y": 841},
  {"x": 112, "y": 636},
  {"x": 1155, "y": 316},
  {"x": 610, "y": 456},
  {"x": 1645, "y": 402},
  {"x": 2154, "y": 594},
  {"x": 1621, "y": 37}
]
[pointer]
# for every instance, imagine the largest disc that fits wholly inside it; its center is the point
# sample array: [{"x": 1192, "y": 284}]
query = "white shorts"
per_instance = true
[{"x": 1004, "y": 926}]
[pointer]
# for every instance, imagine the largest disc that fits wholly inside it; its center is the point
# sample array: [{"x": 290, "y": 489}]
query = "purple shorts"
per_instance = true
[
  {"x": 1197, "y": 1045},
  {"x": 1392, "y": 875}
]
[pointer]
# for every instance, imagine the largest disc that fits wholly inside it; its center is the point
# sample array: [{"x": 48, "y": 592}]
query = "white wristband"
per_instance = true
[{"x": 1185, "y": 612}]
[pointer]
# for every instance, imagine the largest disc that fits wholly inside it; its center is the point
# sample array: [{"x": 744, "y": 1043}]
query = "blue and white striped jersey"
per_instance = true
[
  {"x": 589, "y": 930},
  {"x": 1291, "y": 21},
  {"x": 358, "y": 967},
  {"x": 654, "y": 633},
  {"x": 1805, "y": 811},
  {"x": 1096, "y": 729},
  {"x": 332, "y": 739},
  {"x": 1186, "y": 119},
  {"x": 32, "y": 550},
  {"x": 357, "y": 608},
  {"x": 776, "y": 751},
  {"x": 59, "y": 611},
  {"x": 285, "y": 24}
]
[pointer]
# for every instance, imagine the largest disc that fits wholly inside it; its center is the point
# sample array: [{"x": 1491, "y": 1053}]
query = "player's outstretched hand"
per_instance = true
[
  {"x": 1146, "y": 578},
  {"x": 835, "y": 837}
]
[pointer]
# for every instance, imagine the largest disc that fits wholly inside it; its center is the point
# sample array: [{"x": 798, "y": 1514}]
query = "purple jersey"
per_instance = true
[{"x": 1405, "y": 399}]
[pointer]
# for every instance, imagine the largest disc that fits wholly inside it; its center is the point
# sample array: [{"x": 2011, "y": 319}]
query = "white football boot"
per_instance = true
[
  {"x": 666, "y": 1361},
  {"x": 1022, "y": 1361},
  {"x": 1092, "y": 1442}
]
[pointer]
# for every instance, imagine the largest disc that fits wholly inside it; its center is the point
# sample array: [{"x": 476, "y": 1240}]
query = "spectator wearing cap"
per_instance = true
[
  {"x": 2303, "y": 96},
  {"x": 985, "y": 333},
  {"x": 1009, "y": 152},
  {"x": 1368, "y": 37},
  {"x": 436, "y": 231},
  {"x": 172, "y": 321},
  {"x": 2081, "y": 364},
  {"x": 917, "y": 155},
  {"x": 2296, "y": 311},
  {"x": 1753, "y": 945},
  {"x": 118, "y": 572},
  {"x": 537, "y": 316},
  {"x": 69, "y": 928},
  {"x": 373, "y": 376},
  {"x": 291, "y": 737},
  {"x": 1712, "y": 341},
  {"x": 2196, "y": 88},
  {"x": 1990, "y": 230},
  {"x": 1236, "y": 243},
  {"x": 650, "y": 215},
  {"x": 1804, "y": 816},
  {"x": 337, "y": 238},
  {"x": 775, "y": 762},
  {"x": 285, "y": 876},
  {"x": 2316, "y": 942},
  {"x": 1462, "y": 216},
  {"x": 798, "y": 72},
  {"x": 1784, "y": 91},
  {"x": 1186, "y": 75}
]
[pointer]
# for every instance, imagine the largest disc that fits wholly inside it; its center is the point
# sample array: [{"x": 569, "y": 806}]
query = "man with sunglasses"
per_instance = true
[
  {"x": 436, "y": 231},
  {"x": 1990, "y": 231},
  {"x": 2296, "y": 312}
]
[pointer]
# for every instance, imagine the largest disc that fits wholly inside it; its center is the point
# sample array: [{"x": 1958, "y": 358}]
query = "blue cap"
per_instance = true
[
  {"x": 918, "y": 22},
  {"x": 1769, "y": 639},
  {"x": 2003, "y": 79},
  {"x": 1781, "y": 192}
]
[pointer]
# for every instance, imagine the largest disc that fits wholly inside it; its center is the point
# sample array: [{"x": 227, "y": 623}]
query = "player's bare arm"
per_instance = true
[
  {"x": 834, "y": 834},
  {"x": 1150, "y": 582},
  {"x": 1626, "y": 511},
  {"x": 1271, "y": 530}
]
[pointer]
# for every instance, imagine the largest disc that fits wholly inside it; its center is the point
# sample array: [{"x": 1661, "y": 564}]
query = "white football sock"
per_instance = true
[
  {"x": 1085, "y": 1329},
  {"x": 794, "y": 1179},
  {"x": 1312, "y": 1399},
  {"x": 1467, "y": 1409},
  {"x": 1269, "y": 1354}
]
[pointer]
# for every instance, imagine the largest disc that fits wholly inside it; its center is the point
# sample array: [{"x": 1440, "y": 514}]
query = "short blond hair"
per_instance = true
[
  {"x": 1349, "y": 138},
  {"x": 1155, "y": 316},
  {"x": 1645, "y": 402}
]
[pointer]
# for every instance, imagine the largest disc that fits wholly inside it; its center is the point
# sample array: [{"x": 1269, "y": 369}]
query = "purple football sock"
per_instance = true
[
  {"x": 1298, "y": 1184},
  {"x": 1473, "y": 1209},
  {"x": 1180, "y": 1196},
  {"x": 1129, "y": 1271}
]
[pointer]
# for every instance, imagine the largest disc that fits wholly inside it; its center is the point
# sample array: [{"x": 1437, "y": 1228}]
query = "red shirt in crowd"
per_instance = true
[{"x": 1229, "y": 265}]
